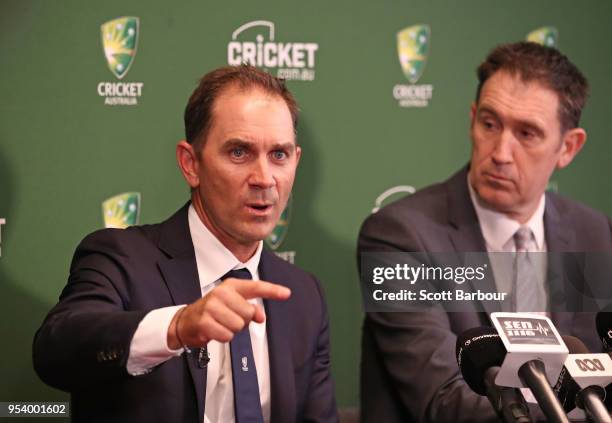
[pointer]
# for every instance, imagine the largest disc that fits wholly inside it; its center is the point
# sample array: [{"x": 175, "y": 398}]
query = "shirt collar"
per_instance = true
[
  {"x": 498, "y": 229},
  {"x": 213, "y": 258}
]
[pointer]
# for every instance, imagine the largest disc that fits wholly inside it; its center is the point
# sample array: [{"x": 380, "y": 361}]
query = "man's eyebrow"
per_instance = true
[
  {"x": 241, "y": 143},
  {"x": 531, "y": 124},
  {"x": 237, "y": 142},
  {"x": 486, "y": 110},
  {"x": 289, "y": 146}
]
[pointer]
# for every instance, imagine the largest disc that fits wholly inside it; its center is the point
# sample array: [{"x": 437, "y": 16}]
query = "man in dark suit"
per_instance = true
[
  {"x": 524, "y": 124},
  {"x": 157, "y": 322}
]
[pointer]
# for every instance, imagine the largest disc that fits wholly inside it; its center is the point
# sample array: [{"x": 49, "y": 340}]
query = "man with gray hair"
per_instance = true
[{"x": 524, "y": 125}]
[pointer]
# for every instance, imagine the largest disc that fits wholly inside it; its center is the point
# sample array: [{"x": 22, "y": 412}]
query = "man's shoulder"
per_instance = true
[
  {"x": 429, "y": 198},
  {"x": 119, "y": 245},
  {"x": 140, "y": 240},
  {"x": 282, "y": 268},
  {"x": 591, "y": 227},
  {"x": 122, "y": 239},
  {"x": 427, "y": 206},
  {"x": 277, "y": 270},
  {"x": 575, "y": 209}
]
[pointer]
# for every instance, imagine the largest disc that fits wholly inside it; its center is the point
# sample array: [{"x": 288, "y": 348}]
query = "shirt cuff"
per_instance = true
[{"x": 149, "y": 346}]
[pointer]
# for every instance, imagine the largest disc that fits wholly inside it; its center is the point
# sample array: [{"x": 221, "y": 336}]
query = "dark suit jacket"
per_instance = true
[
  {"x": 408, "y": 366},
  {"x": 116, "y": 277}
]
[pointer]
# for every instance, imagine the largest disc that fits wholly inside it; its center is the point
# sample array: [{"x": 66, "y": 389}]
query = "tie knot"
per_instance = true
[
  {"x": 238, "y": 274},
  {"x": 522, "y": 238}
]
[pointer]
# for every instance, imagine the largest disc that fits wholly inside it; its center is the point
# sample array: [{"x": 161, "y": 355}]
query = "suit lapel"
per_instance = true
[
  {"x": 559, "y": 237},
  {"x": 282, "y": 385},
  {"x": 180, "y": 273},
  {"x": 466, "y": 235},
  {"x": 559, "y": 240}
]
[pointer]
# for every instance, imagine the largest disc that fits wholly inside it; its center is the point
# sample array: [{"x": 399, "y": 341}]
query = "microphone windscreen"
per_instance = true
[
  {"x": 477, "y": 350},
  {"x": 575, "y": 345},
  {"x": 603, "y": 321},
  {"x": 566, "y": 389}
]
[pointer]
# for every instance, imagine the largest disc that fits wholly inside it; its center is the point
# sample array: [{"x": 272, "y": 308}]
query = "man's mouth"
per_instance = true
[
  {"x": 496, "y": 178},
  {"x": 259, "y": 208}
]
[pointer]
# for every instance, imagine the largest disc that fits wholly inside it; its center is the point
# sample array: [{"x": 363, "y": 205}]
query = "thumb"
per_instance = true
[{"x": 260, "y": 314}]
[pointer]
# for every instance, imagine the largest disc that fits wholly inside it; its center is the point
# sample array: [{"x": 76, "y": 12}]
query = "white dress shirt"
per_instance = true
[
  {"x": 149, "y": 346},
  {"x": 498, "y": 231}
]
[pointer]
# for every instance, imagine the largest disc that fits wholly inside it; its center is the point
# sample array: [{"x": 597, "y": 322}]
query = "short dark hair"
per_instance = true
[
  {"x": 535, "y": 62},
  {"x": 198, "y": 113}
]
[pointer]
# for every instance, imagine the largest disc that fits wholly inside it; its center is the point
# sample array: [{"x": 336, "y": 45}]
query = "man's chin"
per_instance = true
[
  {"x": 257, "y": 233},
  {"x": 496, "y": 200}
]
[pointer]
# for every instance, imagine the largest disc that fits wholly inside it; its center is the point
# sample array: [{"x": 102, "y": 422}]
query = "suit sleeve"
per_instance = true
[
  {"x": 85, "y": 338},
  {"x": 321, "y": 404},
  {"x": 417, "y": 349}
]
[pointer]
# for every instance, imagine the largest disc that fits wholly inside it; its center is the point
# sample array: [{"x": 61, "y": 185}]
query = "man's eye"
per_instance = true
[
  {"x": 488, "y": 124},
  {"x": 237, "y": 153},
  {"x": 527, "y": 135},
  {"x": 279, "y": 155}
]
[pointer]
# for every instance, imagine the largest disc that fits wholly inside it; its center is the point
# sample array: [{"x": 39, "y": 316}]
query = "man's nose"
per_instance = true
[
  {"x": 261, "y": 174},
  {"x": 502, "y": 152}
]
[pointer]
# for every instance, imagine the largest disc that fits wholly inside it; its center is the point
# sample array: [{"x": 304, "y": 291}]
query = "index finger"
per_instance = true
[{"x": 262, "y": 289}]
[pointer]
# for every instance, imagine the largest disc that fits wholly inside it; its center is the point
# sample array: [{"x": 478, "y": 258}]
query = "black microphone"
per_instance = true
[
  {"x": 603, "y": 320},
  {"x": 584, "y": 378},
  {"x": 566, "y": 390},
  {"x": 535, "y": 354},
  {"x": 480, "y": 352}
]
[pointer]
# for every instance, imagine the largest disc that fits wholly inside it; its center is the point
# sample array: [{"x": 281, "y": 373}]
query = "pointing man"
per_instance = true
[{"x": 163, "y": 322}]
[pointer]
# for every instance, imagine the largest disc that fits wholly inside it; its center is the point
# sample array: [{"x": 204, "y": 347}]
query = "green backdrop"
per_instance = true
[{"x": 63, "y": 151}]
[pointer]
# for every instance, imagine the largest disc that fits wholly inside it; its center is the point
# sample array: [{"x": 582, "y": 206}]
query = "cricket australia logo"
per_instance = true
[
  {"x": 547, "y": 36},
  {"x": 119, "y": 39},
  {"x": 276, "y": 238},
  {"x": 122, "y": 210},
  {"x": 119, "y": 43},
  {"x": 412, "y": 50},
  {"x": 254, "y": 43}
]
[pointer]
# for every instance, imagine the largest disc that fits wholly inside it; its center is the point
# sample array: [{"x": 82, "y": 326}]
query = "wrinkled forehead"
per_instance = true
[
  {"x": 227, "y": 105},
  {"x": 527, "y": 98}
]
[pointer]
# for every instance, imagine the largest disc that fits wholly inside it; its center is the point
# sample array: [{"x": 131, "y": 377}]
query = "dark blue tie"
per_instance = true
[{"x": 247, "y": 406}]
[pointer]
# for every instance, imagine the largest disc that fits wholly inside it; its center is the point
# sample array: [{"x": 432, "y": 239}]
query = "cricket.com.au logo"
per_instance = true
[
  {"x": 119, "y": 42},
  {"x": 412, "y": 51},
  {"x": 381, "y": 200},
  {"x": 2, "y": 222},
  {"x": 254, "y": 43},
  {"x": 547, "y": 36},
  {"x": 122, "y": 210},
  {"x": 276, "y": 238}
]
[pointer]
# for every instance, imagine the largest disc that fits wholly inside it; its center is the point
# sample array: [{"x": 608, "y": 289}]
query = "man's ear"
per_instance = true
[
  {"x": 473, "y": 109},
  {"x": 188, "y": 162},
  {"x": 572, "y": 143},
  {"x": 298, "y": 154}
]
